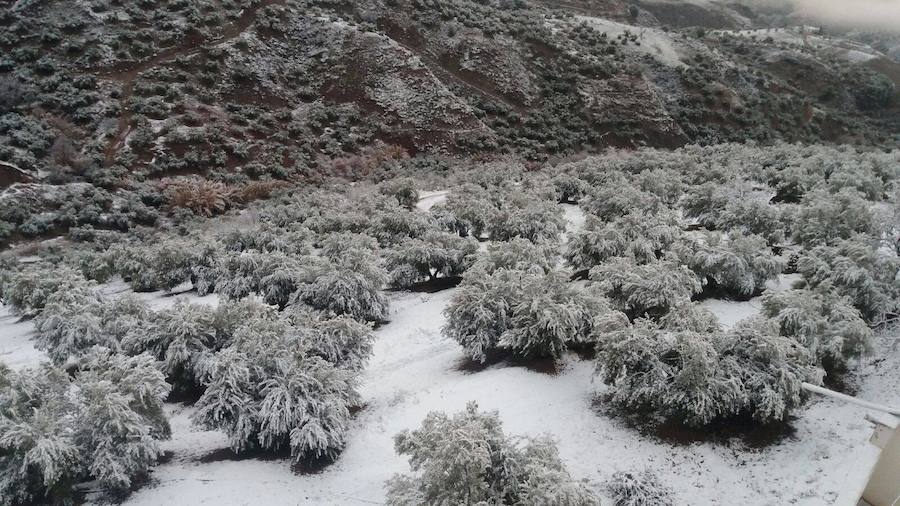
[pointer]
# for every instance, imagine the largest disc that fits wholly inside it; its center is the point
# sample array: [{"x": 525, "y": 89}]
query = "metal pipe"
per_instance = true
[{"x": 849, "y": 398}]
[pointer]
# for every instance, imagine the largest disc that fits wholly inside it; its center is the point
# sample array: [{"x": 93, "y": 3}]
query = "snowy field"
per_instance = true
[{"x": 415, "y": 370}]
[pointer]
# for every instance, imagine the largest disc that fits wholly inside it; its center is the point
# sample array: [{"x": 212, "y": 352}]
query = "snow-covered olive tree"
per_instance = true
[
  {"x": 437, "y": 254},
  {"x": 859, "y": 269},
  {"x": 825, "y": 323},
  {"x": 527, "y": 216},
  {"x": 642, "y": 488},
  {"x": 569, "y": 189},
  {"x": 28, "y": 288},
  {"x": 823, "y": 217},
  {"x": 467, "y": 211},
  {"x": 697, "y": 378},
  {"x": 340, "y": 340},
  {"x": 74, "y": 320},
  {"x": 516, "y": 254},
  {"x": 738, "y": 265},
  {"x": 270, "y": 389},
  {"x": 650, "y": 288},
  {"x": 466, "y": 459},
  {"x": 525, "y": 314},
  {"x": 641, "y": 237},
  {"x": 403, "y": 189},
  {"x": 353, "y": 286},
  {"x": 103, "y": 423}
]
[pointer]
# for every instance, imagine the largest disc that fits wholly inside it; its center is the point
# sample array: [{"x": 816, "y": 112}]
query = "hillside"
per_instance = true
[{"x": 108, "y": 91}]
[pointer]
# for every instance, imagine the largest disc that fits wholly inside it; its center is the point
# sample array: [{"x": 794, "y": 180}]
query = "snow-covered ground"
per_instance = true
[{"x": 415, "y": 370}]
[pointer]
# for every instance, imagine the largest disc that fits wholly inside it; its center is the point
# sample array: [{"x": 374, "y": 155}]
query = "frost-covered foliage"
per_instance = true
[
  {"x": 739, "y": 265},
  {"x": 823, "y": 217},
  {"x": 569, "y": 189},
  {"x": 690, "y": 316},
  {"x": 527, "y": 216},
  {"x": 352, "y": 286},
  {"x": 266, "y": 238},
  {"x": 337, "y": 244},
  {"x": 76, "y": 319},
  {"x": 340, "y": 340},
  {"x": 639, "y": 489},
  {"x": 467, "y": 211},
  {"x": 698, "y": 378},
  {"x": 526, "y": 314},
  {"x": 276, "y": 276},
  {"x": 822, "y": 321},
  {"x": 437, "y": 254},
  {"x": 738, "y": 206},
  {"x": 103, "y": 423},
  {"x": 859, "y": 269},
  {"x": 650, "y": 288},
  {"x": 165, "y": 264},
  {"x": 270, "y": 389},
  {"x": 638, "y": 236},
  {"x": 28, "y": 289},
  {"x": 403, "y": 189},
  {"x": 516, "y": 254},
  {"x": 615, "y": 197},
  {"x": 467, "y": 459},
  {"x": 395, "y": 225}
]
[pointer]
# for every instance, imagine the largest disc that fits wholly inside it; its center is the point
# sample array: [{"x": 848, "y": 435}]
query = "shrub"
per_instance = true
[
  {"x": 103, "y": 423},
  {"x": 437, "y": 254},
  {"x": 856, "y": 268},
  {"x": 649, "y": 289},
  {"x": 77, "y": 319},
  {"x": 467, "y": 211},
  {"x": 467, "y": 459},
  {"x": 28, "y": 289},
  {"x": 824, "y": 217},
  {"x": 825, "y": 323},
  {"x": 528, "y": 217},
  {"x": 516, "y": 254},
  {"x": 698, "y": 378},
  {"x": 639, "y": 489},
  {"x": 200, "y": 196},
  {"x": 569, "y": 189},
  {"x": 268, "y": 389},
  {"x": 525, "y": 314},
  {"x": 640, "y": 237},
  {"x": 740, "y": 265},
  {"x": 352, "y": 287},
  {"x": 403, "y": 189}
]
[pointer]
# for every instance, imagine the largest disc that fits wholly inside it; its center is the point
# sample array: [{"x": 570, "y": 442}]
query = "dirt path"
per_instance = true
[{"x": 127, "y": 72}]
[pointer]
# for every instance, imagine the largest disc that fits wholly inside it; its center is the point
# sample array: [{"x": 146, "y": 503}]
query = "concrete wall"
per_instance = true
[{"x": 884, "y": 485}]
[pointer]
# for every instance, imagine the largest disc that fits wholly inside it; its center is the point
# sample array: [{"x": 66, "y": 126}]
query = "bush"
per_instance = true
[
  {"x": 516, "y": 254},
  {"x": 28, "y": 289},
  {"x": 698, "y": 378},
  {"x": 739, "y": 265},
  {"x": 856, "y": 268},
  {"x": 437, "y": 254},
  {"x": 824, "y": 217},
  {"x": 352, "y": 287},
  {"x": 467, "y": 459},
  {"x": 640, "y": 237},
  {"x": 268, "y": 389},
  {"x": 639, "y": 489},
  {"x": 77, "y": 319},
  {"x": 524, "y": 314},
  {"x": 528, "y": 217},
  {"x": 402, "y": 189},
  {"x": 103, "y": 423},
  {"x": 200, "y": 196},
  {"x": 825, "y": 323},
  {"x": 650, "y": 289}
]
